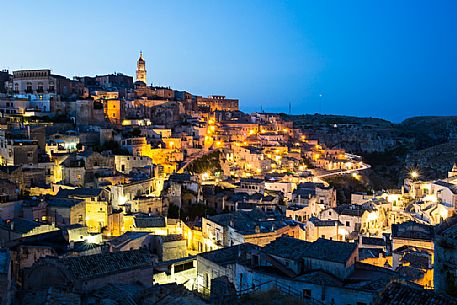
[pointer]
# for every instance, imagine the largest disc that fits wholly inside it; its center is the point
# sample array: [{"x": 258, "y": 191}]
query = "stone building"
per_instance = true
[
  {"x": 79, "y": 274},
  {"x": 8, "y": 190},
  {"x": 23, "y": 176},
  {"x": 169, "y": 247},
  {"x": 254, "y": 226},
  {"x": 445, "y": 244},
  {"x": 125, "y": 164},
  {"x": 40, "y": 82},
  {"x": 18, "y": 152},
  {"x": 322, "y": 272},
  {"x": 411, "y": 233},
  {"x": 113, "y": 111},
  {"x": 217, "y": 103},
  {"x": 16, "y": 228}
]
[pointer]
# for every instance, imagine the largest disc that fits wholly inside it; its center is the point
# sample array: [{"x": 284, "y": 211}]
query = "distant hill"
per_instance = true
[{"x": 428, "y": 142}]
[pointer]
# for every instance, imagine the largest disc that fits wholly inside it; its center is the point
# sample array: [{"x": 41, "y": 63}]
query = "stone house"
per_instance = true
[
  {"x": 323, "y": 272},
  {"x": 78, "y": 275},
  {"x": 253, "y": 226},
  {"x": 445, "y": 264},
  {"x": 17, "y": 228},
  {"x": 413, "y": 234},
  {"x": 125, "y": 164}
]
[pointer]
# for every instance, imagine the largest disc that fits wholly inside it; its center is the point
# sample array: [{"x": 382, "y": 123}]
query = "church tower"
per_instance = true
[{"x": 141, "y": 69}]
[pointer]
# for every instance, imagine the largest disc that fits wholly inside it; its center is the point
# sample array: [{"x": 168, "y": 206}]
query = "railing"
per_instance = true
[{"x": 283, "y": 289}]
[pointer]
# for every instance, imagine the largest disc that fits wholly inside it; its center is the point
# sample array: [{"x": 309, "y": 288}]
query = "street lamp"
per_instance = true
[{"x": 414, "y": 174}]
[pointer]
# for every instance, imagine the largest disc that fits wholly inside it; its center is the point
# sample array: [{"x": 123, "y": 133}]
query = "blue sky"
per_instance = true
[{"x": 390, "y": 59}]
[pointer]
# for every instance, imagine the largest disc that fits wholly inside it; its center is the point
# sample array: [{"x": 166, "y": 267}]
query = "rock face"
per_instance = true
[
  {"x": 357, "y": 135},
  {"x": 434, "y": 162},
  {"x": 426, "y": 143}
]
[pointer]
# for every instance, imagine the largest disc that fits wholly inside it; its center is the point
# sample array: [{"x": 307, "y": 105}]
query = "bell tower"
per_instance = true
[{"x": 141, "y": 69}]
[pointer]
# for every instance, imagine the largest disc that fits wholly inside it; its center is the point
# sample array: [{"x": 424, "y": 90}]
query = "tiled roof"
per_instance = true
[
  {"x": 320, "y": 278},
  {"x": 171, "y": 237},
  {"x": 251, "y": 180},
  {"x": 176, "y": 177},
  {"x": 227, "y": 256},
  {"x": 325, "y": 223},
  {"x": 93, "y": 266},
  {"x": 448, "y": 185},
  {"x": 375, "y": 241},
  {"x": 287, "y": 247},
  {"x": 396, "y": 294},
  {"x": 414, "y": 230},
  {"x": 323, "y": 249},
  {"x": 246, "y": 222},
  {"x": 410, "y": 273},
  {"x": 350, "y": 210},
  {"x": 369, "y": 253},
  {"x": 119, "y": 293},
  {"x": 330, "y": 250},
  {"x": 145, "y": 221},
  {"x": 311, "y": 185},
  {"x": 127, "y": 237},
  {"x": 63, "y": 202},
  {"x": 81, "y": 192},
  {"x": 20, "y": 225}
]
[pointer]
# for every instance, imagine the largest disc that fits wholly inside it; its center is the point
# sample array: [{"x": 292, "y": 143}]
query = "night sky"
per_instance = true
[{"x": 389, "y": 59}]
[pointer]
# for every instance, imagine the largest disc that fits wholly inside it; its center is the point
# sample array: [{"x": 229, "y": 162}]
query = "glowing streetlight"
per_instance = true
[{"x": 414, "y": 174}]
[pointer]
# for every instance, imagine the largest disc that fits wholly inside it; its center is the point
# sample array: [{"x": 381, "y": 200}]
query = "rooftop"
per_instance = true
[
  {"x": 396, "y": 293},
  {"x": 448, "y": 185},
  {"x": 146, "y": 221},
  {"x": 322, "y": 249},
  {"x": 412, "y": 230},
  {"x": 227, "y": 256},
  {"x": 93, "y": 266},
  {"x": 127, "y": 237},
  {"x": 20, "y": 225},
  {"x": 81, "y": 192}
]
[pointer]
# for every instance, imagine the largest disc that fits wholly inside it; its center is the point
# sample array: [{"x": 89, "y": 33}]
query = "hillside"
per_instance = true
[{"x": 427, "y": 143}]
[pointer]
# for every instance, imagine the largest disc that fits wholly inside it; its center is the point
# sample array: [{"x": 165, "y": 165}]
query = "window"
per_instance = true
[
  {"x": 348, "y": 224},
  {"x": 206, "y": 280},
  {"x": 306, "y": 293}
]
